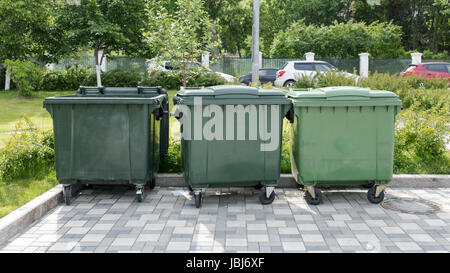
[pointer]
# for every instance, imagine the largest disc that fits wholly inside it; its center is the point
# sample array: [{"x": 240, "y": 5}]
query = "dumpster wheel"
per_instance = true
[
  {"x": 140, "y": 194},
  {"x": 372, "y": 192},
  {"x": 198, "y": 199},
  {"x": 316, "y": 200},
  {"x": 263, "y": 198},
  {"x": 67, "y": 190}
]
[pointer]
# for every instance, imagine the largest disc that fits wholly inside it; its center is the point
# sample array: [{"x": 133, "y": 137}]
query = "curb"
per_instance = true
[
  {"x": 287, "y": 181},
  {"x": 21, "y": 218}
]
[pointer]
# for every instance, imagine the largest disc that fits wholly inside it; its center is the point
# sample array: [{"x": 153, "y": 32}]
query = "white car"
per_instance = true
[
  {"x": 291, "y": 71},
  {"x": 154, "y": 66}
]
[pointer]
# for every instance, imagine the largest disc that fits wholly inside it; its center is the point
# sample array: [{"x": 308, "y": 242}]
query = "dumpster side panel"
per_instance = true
[
  {"x": 62, "y": 126},
  {"x": 385, "y": 143}
]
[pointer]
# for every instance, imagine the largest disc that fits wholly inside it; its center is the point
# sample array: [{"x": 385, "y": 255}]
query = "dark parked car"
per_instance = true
[{"x": 265, "y": 75}]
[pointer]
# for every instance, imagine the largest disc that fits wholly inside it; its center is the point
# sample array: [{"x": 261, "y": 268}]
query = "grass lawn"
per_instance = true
[
  {"x": 18, "y": 192},
  {"x": 12, "y": 107}
]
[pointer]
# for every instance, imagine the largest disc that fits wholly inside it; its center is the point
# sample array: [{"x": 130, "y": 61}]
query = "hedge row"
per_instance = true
[{"x": 74, "y": 77}]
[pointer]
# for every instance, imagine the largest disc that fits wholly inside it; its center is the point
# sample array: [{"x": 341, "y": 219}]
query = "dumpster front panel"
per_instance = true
[
  {"x": 237, "y": 158},
  {"x": 344, "y": 141},
  {"x": 106, "y": 139}
]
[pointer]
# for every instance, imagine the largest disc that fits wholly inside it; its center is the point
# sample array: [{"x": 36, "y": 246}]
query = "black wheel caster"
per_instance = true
[
  {"x": 313, "y": 201},
  {"x": 258, "y": 186},
  {"x": 263, "y": 196},
  {"x": 369, "y": 185},
  {"x": 198, "y": 199},
  {"x": 371, "y": 195},
  {"x": 67, "y": 190}
]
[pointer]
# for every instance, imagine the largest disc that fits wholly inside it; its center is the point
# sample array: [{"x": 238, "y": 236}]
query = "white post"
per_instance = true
[
  {"x": 364, "y": 64},
  {"x": 205, "y": 59},
  {"x": 255, "y": 43},
  {"x": 260, "y": 63},
  {"x": 51, "y": 66},
  {"x": 416, "y": 58},
  {"x": 8, "y": 80},
  {"x": 309, "y": 56}
]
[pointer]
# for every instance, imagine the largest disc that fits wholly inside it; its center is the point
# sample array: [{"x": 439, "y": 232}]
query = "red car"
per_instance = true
[{"x": 428, "y": 70}]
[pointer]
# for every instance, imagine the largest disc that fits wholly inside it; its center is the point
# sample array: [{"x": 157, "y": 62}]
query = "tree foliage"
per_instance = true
[
  {"x": 337, "y": 40},
  {"x": 27, "y": 30},
  {"x": 182, "y": 36}
]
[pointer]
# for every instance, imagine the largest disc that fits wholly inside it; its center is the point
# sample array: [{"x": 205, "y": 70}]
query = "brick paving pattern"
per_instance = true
[{"x": 233, "y": 220}]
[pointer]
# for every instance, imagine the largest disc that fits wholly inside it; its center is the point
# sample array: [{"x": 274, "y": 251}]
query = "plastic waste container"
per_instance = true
[
  {"x": 108, "y": 136},
  {"x": 343, "y": 136},
  {"x": 231, "y": 137}
]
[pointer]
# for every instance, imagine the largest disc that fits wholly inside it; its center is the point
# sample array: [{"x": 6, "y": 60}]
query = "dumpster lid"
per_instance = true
[
  {"x": 228, "y": 91},
  {"x": 340, "y": 93},
  {"x": 118, "y": 91}
]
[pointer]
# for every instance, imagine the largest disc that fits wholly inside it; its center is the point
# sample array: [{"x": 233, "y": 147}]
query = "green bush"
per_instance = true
[
  {"x": 173, "y": 80},
  {"x": 70, "y": 79},
  {"x": 420, "y": 138},
  {"x": 324, "y": 80},
  {"x": 26, "y": 74},
  {"x": 172, "y": 163},
  {"x": 29, "y": 152},
  {"x": 114, "y": 78}
]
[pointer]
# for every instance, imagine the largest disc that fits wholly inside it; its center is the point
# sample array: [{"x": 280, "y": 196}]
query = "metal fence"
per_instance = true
[{"x": 242, "y": 66}]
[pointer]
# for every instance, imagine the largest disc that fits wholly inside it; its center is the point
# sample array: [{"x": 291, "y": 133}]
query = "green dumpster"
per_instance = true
[
  {"x": 108, "y": 136},
  {"x": 343, "y": 136},
  {"x": 231, "y": 137}
]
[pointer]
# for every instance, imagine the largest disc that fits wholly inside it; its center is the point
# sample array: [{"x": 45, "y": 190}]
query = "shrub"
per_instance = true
[
  {"x": 26, "y": 74},
  {"x": 420, "y": 138},
  {"x": 119, "y": 78},
  {"x": 173, "y": 80},
  {"x": 172, "y": 163},
  {"x": 29, "y": 152},
  {"x": 70, "y": 79},
  {"x": 114, "y": 78}
]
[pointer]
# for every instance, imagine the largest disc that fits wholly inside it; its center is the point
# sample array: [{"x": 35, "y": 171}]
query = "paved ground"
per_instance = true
[{"x": 233, "y": 220}]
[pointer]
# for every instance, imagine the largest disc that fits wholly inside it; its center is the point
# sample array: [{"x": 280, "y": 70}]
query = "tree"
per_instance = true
[
  {"x": 183, "y": 36},
  {"x": 105, "y": 26},
  {"x": 27, "y": 31}
]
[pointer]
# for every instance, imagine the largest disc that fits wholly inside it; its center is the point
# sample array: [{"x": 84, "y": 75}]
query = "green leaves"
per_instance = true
[
  {"x": 337, "y": 40},
  {"x": 26, "y": 74}
]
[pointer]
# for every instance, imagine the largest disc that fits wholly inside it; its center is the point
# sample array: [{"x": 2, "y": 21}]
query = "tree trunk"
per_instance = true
[
  {"x": 97, "y": 64},
  {"x": 8, "y": 80}
]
